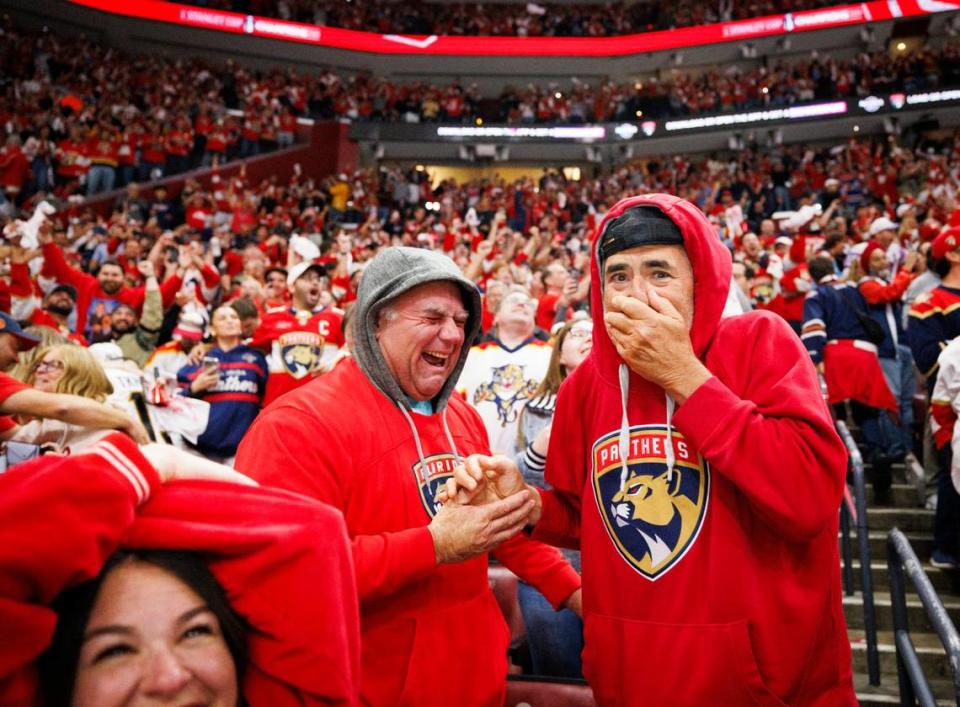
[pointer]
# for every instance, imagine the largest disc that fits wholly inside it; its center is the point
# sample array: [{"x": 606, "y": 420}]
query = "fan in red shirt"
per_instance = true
[{"x": 300, "y": 342}]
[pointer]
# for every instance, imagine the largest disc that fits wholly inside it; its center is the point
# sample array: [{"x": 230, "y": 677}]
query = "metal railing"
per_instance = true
[
  {"x": 914, "y": 687},
  {"x": 859, "y": 516}
]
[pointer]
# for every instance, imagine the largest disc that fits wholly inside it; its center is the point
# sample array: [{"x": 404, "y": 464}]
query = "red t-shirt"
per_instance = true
[
  {"x": 547, "y": 311},
  {"x": 8, "y": 386}
]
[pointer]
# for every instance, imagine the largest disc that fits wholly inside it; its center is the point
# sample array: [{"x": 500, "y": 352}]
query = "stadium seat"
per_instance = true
[{"x": 544, "y": 692}]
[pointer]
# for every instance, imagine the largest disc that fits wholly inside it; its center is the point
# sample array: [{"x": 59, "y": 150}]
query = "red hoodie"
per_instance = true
[
  {"x": 282, "y": 559},
  {"x": 431, "y": 634},
  {"x": 718, "y": 583}
]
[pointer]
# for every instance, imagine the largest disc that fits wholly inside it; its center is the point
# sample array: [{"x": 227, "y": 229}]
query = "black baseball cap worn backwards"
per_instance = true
[{"x": 640, "y": 225}]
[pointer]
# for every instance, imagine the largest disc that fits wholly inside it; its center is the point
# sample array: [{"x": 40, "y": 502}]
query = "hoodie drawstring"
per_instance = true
[
  {"x": 623, "y": 443},
  {"x": 416, "y": 436},
  {"x": 446, "y": 429}
]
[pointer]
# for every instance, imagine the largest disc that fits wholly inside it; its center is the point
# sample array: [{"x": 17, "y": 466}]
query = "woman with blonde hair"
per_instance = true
[
  {"x": 71, "y": 369},
  {"x": 48, "y": 338}
]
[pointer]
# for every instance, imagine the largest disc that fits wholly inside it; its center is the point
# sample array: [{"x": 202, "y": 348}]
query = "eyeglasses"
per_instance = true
[
  {"x": 581, "y": 334},
  {"x": 48, "y": 365}
]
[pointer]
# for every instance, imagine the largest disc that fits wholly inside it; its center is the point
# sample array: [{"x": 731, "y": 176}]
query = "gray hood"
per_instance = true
[{"x": 391, "y": 273}]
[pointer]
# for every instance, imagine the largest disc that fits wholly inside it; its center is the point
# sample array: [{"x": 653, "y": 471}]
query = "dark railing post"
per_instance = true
[
  {"x": 914, "y": 686},
  {"x": 845, "y": 551},
  {"x": 863, "y": 544},
  {"x": 898, "y": 605}
]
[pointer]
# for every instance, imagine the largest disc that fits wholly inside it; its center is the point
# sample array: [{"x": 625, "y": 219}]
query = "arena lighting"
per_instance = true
[
  {"x": 812, "y": 110},
  {"x": 626, "y": 130},
  {"x": 934, "y": 97},
  {"x": 450, "y": 45},
  {"x": 871, "y": 104},
  {"x": 568, "y": 132}
]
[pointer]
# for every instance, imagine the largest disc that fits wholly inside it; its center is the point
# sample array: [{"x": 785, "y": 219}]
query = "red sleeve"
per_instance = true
[
  {"x": 211, "y": 276},
  {"x": 540, "y": 565},
  {"x": 62, "y": 518},
  {"x": 272, "y": 453},
  {"x": 56, "y": 266},
  {"x": 10, "y": 385},
  {"x": 113, "y": 244},
  {"x": 762, "y": 422},
  {"x": 21, "y": 285},
  {"x": 566, "y": 473},
  {"x": 876, "y": 293},
  {"x": 169, "y": 289},
  {"x": 284, "y": 561}
]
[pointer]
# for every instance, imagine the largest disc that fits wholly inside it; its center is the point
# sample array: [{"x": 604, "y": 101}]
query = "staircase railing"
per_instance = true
[
  {"x": 914, "y": 687},
  {"x": 859, "y": 515}
]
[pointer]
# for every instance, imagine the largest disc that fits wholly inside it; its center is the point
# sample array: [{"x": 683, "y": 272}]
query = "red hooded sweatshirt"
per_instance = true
[
  {"x": 282, "y": 559},
  {"x": 432, "y": 634},
  {"x": 716, "y": 581}
]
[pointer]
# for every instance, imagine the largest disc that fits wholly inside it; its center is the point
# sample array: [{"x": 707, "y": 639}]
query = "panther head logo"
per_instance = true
[
  {"x": 507, "y": 387},
  {"x": 652, "y": 513}
]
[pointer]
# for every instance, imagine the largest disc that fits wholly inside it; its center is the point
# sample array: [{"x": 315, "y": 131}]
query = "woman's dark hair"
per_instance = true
[{"x": 58, "y": 664}]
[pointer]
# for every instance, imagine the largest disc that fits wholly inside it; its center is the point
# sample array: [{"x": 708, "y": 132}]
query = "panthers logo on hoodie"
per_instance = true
[
  {"x": 432, "y": 479},
  {"x": 652, "y": 513}
]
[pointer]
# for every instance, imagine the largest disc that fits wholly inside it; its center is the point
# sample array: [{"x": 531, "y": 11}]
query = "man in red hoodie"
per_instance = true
[
  {"x": 377, "y": 437},
  {"x": 696, "y": 467}
]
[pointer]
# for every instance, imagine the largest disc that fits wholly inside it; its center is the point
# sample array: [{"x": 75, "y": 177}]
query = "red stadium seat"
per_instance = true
[{"x": 547, "y": 693}]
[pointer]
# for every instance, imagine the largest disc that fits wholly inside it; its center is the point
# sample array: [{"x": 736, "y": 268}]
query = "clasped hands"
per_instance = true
[{"x": 485, "y": 502}]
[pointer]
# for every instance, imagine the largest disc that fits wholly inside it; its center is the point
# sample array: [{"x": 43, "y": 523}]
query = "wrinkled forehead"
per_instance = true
[
  {"x": 639, "y": 256},
  {"x": 437, "y": 295}
]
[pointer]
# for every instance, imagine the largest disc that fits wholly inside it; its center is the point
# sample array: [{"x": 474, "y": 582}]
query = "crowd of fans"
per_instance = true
[
  {"x": 517, "y": 19},
  {"x": 150, "y": 280},
  {"x": 73, "y": 130}
]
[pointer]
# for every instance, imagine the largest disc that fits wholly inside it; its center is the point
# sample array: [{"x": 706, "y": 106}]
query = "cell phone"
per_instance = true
[{"x": 210, "y": 363}]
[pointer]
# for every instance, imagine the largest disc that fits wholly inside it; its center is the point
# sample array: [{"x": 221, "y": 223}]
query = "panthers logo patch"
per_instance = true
[
  {"x": 652, "y": 518},
  {"x": 300, "y": 352},
  {"x": 439, "y": 468},
  {"x": 507, "y": 388}
]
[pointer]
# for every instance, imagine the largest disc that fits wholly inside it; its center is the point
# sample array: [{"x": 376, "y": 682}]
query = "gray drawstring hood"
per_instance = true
[{"x": 392, "y": 272}]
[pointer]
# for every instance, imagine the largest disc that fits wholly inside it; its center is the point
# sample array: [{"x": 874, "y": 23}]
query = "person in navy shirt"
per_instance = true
[{"x": 233, "y": 386}]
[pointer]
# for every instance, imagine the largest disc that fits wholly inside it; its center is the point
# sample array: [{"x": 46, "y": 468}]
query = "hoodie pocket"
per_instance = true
[{"x": 642, "y": 663}]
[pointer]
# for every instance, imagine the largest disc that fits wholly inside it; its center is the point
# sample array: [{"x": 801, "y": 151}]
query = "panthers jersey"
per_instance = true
[
  {"x": 499, "y": 381},
  {"x": 298, "y": 346}
]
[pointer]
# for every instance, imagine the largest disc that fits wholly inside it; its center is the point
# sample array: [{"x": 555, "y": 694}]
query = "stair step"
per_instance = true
[
  {"x": 904, "y": 495},
  {"x": 922, "y": 544},
  {"x": 932, "y": 656},
  {"x": 917, "y": 619},
  {"x": 909, "y": 520},
  {"x": 888, "y": 691},
  {"x": 944, "y": 582}
]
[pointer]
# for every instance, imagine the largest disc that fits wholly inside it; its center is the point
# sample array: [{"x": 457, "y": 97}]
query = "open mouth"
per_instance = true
[{"x": 435, "y": 358}]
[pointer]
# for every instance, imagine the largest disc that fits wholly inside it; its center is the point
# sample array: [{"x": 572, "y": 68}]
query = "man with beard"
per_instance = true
[
  {"x": 302, "y": 340},
  {"x": 137, "y": 336},
  {"x": 98, "y": 296}
]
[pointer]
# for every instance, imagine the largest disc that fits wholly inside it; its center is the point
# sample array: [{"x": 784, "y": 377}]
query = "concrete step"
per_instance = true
[
  {"x": 945, "y": 583},
  {"x": 917, "y": 619},
  {"x": 922, "y": 544},
  {"x": 888, "y": 691},
  {"x": 933, "y": 658},
  {"x": 904, "y": 495},
  {"x": 909, "y": 520}
]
